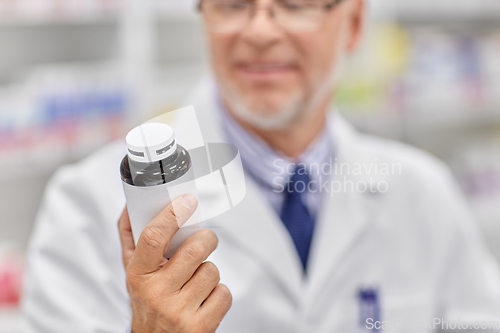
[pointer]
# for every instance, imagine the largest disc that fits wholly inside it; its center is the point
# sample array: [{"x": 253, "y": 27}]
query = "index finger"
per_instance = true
[
  {"x": 156, "y": 236},
  {"x": 126, "y": 238}
]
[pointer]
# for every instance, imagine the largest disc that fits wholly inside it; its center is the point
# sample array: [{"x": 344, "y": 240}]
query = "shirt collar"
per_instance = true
[{"x": 270, "y": 167}]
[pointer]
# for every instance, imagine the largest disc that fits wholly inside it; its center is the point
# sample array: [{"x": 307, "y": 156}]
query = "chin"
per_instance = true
[
  {"x": 266, "y": 107},
  {"x": 266, "y": 113}
]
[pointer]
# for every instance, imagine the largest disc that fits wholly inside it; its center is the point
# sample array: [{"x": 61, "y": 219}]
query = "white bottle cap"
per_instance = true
[{"x": 151, "y": 142}]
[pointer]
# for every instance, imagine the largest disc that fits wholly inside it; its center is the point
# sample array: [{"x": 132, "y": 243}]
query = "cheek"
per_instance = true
[
  {"x": 320, "y": 54},
  {"x": 220, "y": 49}
]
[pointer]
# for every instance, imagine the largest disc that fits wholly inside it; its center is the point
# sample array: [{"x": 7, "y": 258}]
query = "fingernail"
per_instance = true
[{"x": 190, "y": 200}]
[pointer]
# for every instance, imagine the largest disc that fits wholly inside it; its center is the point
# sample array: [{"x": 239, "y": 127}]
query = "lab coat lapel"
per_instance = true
[
  {"x": 253, "y": 225},
  {"x": 344, "y": 215}
]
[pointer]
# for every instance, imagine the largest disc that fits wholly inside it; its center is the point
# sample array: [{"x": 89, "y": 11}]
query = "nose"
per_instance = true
[{"x": 262, "y": 30}]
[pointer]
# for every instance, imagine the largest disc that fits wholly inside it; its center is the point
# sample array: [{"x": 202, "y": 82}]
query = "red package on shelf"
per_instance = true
[{"x": 11, "y": 273}]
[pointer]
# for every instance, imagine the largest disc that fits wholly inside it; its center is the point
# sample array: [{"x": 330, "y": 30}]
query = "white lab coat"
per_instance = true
[{"x": 416, "y": 243}]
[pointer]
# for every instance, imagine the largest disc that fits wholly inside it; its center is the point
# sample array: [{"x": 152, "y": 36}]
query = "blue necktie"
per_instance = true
[{"x": 296, "y": 216}]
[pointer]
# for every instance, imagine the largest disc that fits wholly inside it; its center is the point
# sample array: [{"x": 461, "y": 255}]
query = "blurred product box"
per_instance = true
[
  {"x": 490, "y": 59},
  {"x": 12, "y": 265},
  {"x": 11, "y": 272}
]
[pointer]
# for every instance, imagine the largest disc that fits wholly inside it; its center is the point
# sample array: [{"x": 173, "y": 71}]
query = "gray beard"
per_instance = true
[{"x": 261, "y": 116}]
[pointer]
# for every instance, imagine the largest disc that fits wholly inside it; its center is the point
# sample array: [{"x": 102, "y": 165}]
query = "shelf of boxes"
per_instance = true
[
  {"x": 424, "y": 79},
  {"x": 58, "y": 114},
  {"x": 57, "y": 37}
]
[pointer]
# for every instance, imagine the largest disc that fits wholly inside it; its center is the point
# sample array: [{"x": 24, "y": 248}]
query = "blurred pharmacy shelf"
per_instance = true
[
  {"x": 143, "y": 38},
  {"x": 61, "y": 109}
]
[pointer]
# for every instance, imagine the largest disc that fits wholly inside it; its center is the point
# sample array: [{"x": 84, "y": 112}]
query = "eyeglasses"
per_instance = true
[{"x": 231, "y": 16}]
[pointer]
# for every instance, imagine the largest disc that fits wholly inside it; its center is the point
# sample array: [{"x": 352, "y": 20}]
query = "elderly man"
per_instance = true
[{"x": 377, "y": 236}]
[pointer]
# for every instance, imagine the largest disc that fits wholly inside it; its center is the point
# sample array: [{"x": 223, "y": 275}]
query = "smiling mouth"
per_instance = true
[{"x": 265, "y": 67}]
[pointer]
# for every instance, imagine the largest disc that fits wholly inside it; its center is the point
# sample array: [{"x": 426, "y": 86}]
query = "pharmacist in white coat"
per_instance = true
[{"x": 378, "y": 234}]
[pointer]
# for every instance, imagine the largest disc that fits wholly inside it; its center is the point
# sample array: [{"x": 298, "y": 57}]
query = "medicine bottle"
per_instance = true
[{"x": 153, "y": 156}]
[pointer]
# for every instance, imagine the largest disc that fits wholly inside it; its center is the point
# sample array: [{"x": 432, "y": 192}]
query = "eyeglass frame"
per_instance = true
[{"x": 327, "y": 6}]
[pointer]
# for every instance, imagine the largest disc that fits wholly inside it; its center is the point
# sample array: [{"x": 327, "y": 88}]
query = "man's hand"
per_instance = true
[{"x": 182, "y": 294}]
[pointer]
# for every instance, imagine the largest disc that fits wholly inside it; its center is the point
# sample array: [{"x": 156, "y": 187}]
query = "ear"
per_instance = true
[{"x": 357, "y": 16}]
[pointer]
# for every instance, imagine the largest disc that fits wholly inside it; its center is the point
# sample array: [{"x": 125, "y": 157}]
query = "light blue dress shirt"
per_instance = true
[{"x": 272, "y": 170}]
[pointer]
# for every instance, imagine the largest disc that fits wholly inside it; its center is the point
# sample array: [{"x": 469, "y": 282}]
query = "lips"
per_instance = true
[
  {"x": 265, "y": 67},
  {"x": 266, "y": 71}
]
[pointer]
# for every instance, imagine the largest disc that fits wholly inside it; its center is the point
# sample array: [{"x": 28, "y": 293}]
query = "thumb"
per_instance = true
[{"x": 156, "y": 236}]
